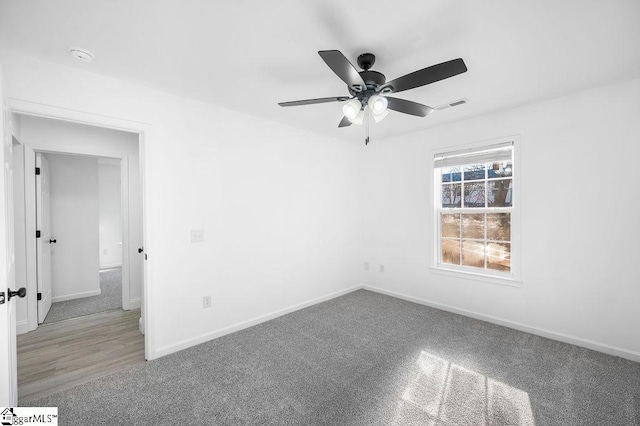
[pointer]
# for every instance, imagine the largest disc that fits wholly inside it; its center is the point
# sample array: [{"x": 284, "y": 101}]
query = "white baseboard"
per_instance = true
[
  {"x": 135, "y": 303},
  {"x": 249, "y": 323},
  {"x": 110, "y": 266},
  {"x": 585, "y": 343},
  {"x": 76, "y": 296},
  {"x": 22, "y": 327}
]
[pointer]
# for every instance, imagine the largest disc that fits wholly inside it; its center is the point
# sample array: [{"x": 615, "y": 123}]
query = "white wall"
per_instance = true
[
  {"x": 580, "y": 232},
  {"x": 74, "y": 224},
  {"x": 109, "y": 213},
  {"x": 279, "y": 206},
  {"x": 59, "y": 135}
]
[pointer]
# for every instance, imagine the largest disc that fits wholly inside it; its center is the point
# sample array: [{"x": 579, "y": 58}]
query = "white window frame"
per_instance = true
[{"x": 511, "y": 278}]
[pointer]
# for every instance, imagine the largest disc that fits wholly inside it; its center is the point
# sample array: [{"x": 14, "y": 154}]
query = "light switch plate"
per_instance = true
[{"x": 197, "y": 235}]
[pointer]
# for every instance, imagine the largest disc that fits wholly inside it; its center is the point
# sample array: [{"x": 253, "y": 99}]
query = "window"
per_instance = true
[{"x": 475, "y": 210}]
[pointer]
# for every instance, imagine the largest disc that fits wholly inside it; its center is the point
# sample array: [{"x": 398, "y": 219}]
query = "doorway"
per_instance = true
[
  {"x": 79, "y": 251},
  {"x": 96, "y": 269}
]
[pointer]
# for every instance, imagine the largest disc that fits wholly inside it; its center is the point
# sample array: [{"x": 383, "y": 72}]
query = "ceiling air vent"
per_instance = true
[
  {"x": 452, "y": 104},
  {"x": 460, "y": 102}
]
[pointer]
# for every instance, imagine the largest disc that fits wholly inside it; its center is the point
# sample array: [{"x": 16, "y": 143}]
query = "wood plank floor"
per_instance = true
[{"x": 61, "y": 355}]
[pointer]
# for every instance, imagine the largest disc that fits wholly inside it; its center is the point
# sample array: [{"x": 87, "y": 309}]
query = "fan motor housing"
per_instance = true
[{"x": 373, "y": 78}]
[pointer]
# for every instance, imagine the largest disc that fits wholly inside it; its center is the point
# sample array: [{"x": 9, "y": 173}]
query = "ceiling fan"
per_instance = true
[{"x": 368, "y": 89}]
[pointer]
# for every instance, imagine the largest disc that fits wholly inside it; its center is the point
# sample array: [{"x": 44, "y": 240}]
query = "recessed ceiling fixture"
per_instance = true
[
  {"x": 81, "y": 54},
  {"x": 369, "y": 89}
]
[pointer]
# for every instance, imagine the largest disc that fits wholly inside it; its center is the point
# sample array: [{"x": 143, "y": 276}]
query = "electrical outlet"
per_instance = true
[
  {"x": 206, "y": 302},
  {"x": 381, "y": 267},
  {"x": 366, "y": 266},
  {"x": 197, "y": 235}
]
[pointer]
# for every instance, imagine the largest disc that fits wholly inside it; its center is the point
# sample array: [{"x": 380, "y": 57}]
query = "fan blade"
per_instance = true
[
  {"x": 428, "y": 75},
  {"x": 342, "y": 67},
  {"x": 344, "y": 122},
  {"x": 314, "y": 101},
  {"x": 408, "y": 107}
]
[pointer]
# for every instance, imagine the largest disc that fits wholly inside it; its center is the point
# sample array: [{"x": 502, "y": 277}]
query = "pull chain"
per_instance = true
[{"x": 366, "y": 118}]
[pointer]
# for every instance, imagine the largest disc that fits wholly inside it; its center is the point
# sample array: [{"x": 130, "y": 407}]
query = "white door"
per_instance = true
[
  {"x": 43, "y": 243},
  {"x": 8, "y": 368}
]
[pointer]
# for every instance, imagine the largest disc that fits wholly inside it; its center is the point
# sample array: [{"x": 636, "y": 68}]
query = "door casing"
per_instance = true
[
  {"x": 143, "y": 130},
  {"x": 8, "y": 356}
]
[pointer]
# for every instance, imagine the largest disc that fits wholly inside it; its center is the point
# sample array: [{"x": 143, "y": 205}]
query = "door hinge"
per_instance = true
[
  {"x": 37, "y": 234},
  {"x": 37, "y": 170},
  {"x": 39, "y": 296}
]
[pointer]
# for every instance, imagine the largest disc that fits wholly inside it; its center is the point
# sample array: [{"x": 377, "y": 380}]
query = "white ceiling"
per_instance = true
[{"x": 247, "y": 55}]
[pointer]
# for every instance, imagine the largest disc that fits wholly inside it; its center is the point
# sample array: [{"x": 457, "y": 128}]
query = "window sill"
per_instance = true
[{"x": 508, "y": 280}]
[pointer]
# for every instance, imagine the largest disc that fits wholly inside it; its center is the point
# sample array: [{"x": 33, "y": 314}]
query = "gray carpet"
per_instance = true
[
  {"x": 366, "y": 359},
  {"x": 110, "y": 298}
]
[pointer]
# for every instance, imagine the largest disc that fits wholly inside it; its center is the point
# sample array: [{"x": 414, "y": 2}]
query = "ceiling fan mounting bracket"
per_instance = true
[{"x": 366, "y": 61}]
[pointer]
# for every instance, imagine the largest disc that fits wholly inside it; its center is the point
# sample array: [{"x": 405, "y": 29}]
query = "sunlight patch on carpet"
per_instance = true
[{"x": 452, "y": 394}]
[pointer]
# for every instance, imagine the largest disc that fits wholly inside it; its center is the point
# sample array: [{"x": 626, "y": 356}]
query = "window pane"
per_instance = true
[
  {"x": 473, "y": 226},
  {"x": 500, "y": 193},
  {"x": 451, "y": 195},
  {"x": 473, "y": 253},
  {"x": 474, "y": 171},
  {"x": 451, "y": 251},
  {"x": 499, "y": 256},
  {"x": 502, "y": 169},
  {"x": 499, "y": 226},
  {"x": 451, "y": 174},
  {"x": 474, "y": 194},
  {"x": 450, "y": 224},
  {"x": 476, "y": 210}
]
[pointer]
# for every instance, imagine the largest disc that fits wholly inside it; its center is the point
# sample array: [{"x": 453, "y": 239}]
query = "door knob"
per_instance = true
[
  {"x": 53, "y": 241},
  {"x": 20, "y": 293},
  {"x": 141, "y": 249}
]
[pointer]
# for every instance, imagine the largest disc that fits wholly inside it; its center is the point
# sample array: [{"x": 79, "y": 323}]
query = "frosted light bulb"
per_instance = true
[
  {"x": 378, "y": 104},
  {"x": 351, "y": 109},
  {"x": 358, "y": 119}
]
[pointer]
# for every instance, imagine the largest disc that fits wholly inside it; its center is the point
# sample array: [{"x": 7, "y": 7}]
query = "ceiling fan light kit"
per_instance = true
[
  {"x": 352, "y": 108},
  {"x": 369, "y": 89},
  {"x": 378, "y": 117},
  {"x": 358, "y": 119},
  {"x": 378, "y": 104}
]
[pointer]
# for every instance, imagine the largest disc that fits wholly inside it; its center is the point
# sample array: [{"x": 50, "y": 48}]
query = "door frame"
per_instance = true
[
  {"x": 30, "y": 201},
  {"x": 8, "y": 356},
  {"x": 143, "y": 130}
]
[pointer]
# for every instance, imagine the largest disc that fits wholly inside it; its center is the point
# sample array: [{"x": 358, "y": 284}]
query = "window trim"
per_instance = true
[{"x": 512, "y": 278}]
